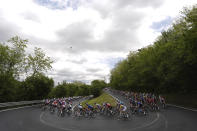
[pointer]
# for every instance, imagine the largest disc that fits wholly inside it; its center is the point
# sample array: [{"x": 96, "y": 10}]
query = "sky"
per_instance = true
[{"x": 86, "y": 38}]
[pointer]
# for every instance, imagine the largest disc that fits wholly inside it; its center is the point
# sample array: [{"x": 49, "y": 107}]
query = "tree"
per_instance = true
[
  {"x": 13, "y": 57},
  {"x": 37, "y": 86},
  {"x": 59, "y": 91},
  {"x": 39, "y": 62},
  {"x": 12, "y": 60},
  {"x": 96, "y": 87},
  {"x": 169, "y": 65},
  {"x": 98, "y": 83}
]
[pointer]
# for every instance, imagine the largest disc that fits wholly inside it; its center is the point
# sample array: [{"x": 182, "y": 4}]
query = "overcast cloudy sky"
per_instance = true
[{"x": 86, "y": 38}]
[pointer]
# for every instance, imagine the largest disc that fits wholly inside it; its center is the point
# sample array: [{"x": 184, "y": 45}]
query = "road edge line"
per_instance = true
[
  {"x": 48, "y": 124},
  {"x": 15, "y": 108},
  {"x": 185, "y": 108}
]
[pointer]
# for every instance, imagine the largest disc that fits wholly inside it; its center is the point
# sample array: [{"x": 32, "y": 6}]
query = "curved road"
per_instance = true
[{"x": 33, "y": 119}]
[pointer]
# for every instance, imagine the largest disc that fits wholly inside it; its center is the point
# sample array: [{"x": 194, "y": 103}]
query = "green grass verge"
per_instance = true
[
  {"x": 186, "y": 100},
  {"x": 104, "y": 97}
]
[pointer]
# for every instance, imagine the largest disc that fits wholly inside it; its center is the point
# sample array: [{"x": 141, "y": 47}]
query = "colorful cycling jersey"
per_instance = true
[
  {"x": 55, "y": 103},
  {"x": 47, "y": 101},
  {"x": 130, "y": 100},
  {"x": 139, "y": 104},
  {"x": 162, "y": 100},
  {"x": 69, "y": 99},
  {"x": 89, "y": 106},
  {"x": 121, "y": 107},
  {"x": 63, "y": 103},
  {"x": 108, "y": 105},
  {"x": 80, "y": 107},
  {"x": 98, "y": 105},
  {"x": 124, "y": 108}
]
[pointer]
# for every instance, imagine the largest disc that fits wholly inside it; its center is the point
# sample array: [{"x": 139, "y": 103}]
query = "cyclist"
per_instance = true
[
  {"x": 80, "y": 107},
  {"x": 90, "y": 107},
  {"x": 79, "y": 110},
  {"x": 63, "y": 105},
  {"x": 163, "y": 102},
  {"x": 108, "y": 105},
  {"x": 123, "y": 109},
  {"x": 97, "y": 107},
  {"x": 90, "y": 110},
  {"x": 69, "y": 106},
  {"x": 140, "y": 107}
]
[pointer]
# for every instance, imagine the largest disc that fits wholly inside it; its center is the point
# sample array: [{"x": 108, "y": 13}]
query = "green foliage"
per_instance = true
[
  {"x": 38, "y": 62},
  {"x": 7, "y": 88},
  {"x": 98, "y": 83},
  {"x": 11, "y": 66},
  {"x": 15, "y": 62},
  {"x": 70, "y": 89},
  {"x": 169, "y": 65},
  {"x": 77, "y": 88},
  {"x": 58, "y": 92},
  {"x": 37, "y": 87},
  {"x": 12, "y": 58},
  {"x": 96, "y": 91},
  {"x": 83, "y": 90},
  {"x": 96, "y": 87}
]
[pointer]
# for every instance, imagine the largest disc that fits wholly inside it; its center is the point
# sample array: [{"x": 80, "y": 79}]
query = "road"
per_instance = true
[{"x": 33, "y": 119}]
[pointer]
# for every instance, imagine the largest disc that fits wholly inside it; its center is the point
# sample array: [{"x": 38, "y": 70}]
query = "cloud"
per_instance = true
[
  {"x": 93, "y": 70},
  {"x": 80, "y": 61},
  {"x": 30, "y": 16},
  {"x": 68, "y": 75},
  {"x": 119, "y": 4},
  {"x": 119, "y": 37},
  {"x": 76, "y": 36},
  {"x": 7, "y": 29},
  {"x": 140, "y": 3},
  {"x": 86, "y": 38}
]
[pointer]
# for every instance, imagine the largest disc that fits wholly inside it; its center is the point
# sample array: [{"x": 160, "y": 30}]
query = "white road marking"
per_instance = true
[
  {"x": 114, "y": 97},
  {"x": 145, "y": 125},
  {"x": 51, "y": 125},
  {"x": 149, "y": 124},
  {"x": 166, "y": 121},
  {"x": 44, "y": 122},
  {"x": 183, "y": 107},
  {"x": 15, "y": 108}
]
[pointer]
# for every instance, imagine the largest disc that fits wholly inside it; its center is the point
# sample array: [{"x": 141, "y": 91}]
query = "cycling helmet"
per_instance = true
[{"x": 121, "y": 103}]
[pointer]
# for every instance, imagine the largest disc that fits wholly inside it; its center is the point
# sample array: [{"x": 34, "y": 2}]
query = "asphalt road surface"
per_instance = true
[{"x": 33, "y": 119}]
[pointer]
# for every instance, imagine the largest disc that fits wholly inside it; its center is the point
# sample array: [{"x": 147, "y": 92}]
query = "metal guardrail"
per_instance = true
[
  {"x": 10, "y": 104},
  {"x": 20, "y": 103}
]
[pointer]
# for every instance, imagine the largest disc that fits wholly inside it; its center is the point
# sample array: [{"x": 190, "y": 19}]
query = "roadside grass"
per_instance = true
[
  {"x": 104, "y": 97},
  {"x": 186, "y": 100}
]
